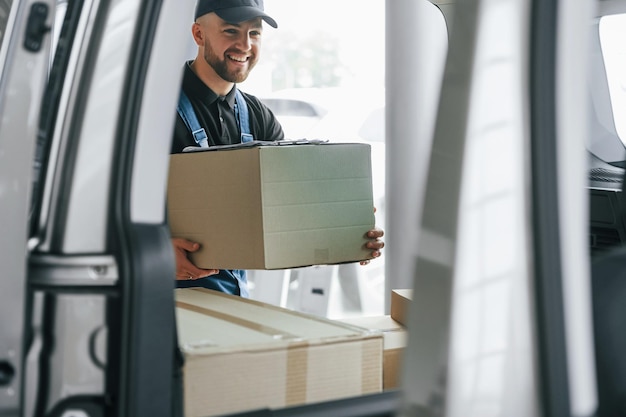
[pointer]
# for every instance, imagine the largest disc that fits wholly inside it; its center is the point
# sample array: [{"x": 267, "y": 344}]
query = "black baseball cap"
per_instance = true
[{"x": 234, "y": 11}]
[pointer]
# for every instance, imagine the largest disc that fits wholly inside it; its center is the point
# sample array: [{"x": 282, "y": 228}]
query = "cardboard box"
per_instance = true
[
  {"x": 400, "y": 303},
  {"x": 394, "y": 341},
  {"x": 243, "y": 355},
  {"x": 273, "y": 206}
]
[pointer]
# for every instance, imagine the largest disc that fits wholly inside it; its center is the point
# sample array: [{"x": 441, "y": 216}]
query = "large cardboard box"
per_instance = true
[
  {"x": 400, "y": 304},
  {"x": 243, "y": 355},
  {"x": 273, "y": 206},
  {"x": 394, "y": 342}
]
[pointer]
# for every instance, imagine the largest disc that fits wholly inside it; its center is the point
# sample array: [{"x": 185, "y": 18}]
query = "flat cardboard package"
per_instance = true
[
  {"x": 394, "y": 341},
  {"x": 400, "y": 304},
  {"x": 243, "y": 355},
  {"x": 273, "y": 206}
]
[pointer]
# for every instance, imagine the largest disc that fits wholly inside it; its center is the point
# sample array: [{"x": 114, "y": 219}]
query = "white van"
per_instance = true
[{"x": 504, "y": 210}]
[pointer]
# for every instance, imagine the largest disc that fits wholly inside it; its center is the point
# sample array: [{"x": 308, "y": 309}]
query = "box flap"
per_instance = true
[{"x": 256, "y": 144}]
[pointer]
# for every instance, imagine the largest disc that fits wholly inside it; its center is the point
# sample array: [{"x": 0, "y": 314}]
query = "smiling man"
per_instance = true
[
  {"x": 228, "y": 34},
  {"x": 212, "y": 111}
]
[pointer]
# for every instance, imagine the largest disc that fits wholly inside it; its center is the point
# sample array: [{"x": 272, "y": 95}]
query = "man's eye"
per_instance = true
[
  {"x": 255, "y": 33},
  {"x": 231, "y": 31}
]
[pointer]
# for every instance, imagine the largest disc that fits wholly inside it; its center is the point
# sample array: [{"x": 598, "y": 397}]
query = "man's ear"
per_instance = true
[{"x": 198, "y": 35}]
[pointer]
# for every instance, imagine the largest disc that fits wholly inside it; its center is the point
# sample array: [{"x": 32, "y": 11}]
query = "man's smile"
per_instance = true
[{"x": 237, "y": 59}]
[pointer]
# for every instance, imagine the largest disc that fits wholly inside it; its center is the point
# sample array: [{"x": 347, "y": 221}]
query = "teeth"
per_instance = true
[{"x": 244, "y": 59}]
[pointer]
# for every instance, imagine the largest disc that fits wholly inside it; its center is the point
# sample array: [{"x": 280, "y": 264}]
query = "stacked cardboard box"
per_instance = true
[
  {"x": 273, "y": 206},
  {"x": 400, "y": 304},
  {"x": 243, "y": 355},
  {"x": 394, "y": 342}
]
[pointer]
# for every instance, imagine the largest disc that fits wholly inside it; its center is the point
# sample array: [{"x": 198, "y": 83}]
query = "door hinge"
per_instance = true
[{"x": 36, "y": 28}]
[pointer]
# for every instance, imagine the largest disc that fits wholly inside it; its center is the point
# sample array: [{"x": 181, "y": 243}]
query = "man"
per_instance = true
[{"x": 228, "y": 35}]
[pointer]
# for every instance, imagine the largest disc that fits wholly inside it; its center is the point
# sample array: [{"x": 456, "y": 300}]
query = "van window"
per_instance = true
[{"x": 612, "y": 35}]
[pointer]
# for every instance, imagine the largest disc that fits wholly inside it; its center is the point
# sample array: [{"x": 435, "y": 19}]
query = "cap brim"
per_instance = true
[{"x": 243, "y": 13}]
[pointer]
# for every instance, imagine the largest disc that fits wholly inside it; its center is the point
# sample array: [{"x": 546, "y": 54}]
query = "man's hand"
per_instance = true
[
  {"x": 376, "y": 243},
  {"x": 185, "y": 269}
]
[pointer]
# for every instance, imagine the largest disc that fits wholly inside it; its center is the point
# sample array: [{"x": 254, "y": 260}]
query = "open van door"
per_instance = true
[
  {"x": 87, "y": 322},
  {"x": 501, "y": 317},
  {"x": 24, "y": 53}
]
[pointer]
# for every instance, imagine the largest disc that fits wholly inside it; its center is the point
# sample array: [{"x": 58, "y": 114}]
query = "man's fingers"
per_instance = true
[
  {"x": 196, "y": 274},
  {"x": 375, "y": 244},
  {"x": 203, "y": 273},
  {"x": 185, "y": 244}
]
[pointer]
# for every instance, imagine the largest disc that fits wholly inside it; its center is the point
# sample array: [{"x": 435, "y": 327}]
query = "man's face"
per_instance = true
[{"x": 232, "y": 50}]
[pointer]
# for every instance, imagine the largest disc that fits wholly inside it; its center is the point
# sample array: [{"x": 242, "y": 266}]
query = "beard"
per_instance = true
[{"x": 220, "y": 65}]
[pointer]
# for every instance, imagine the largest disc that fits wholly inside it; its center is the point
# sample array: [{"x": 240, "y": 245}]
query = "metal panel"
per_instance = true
[
  {"x": 146, "y": 381},
  {"x": 500, "y": 321},
  {"x": 100, "y": 281},
  {"x": 85, "y": 216},
  {"x": 424, "y": 375},
  {"x": 21, "y": 86},
  {"x": 6, "y": 23},
  {"x": 74, "y": 366},
  {"x": 412, "y": 94},
  {"x": 608, "y": 7},
  {"x": 470, "y": 350},
  {"x": 572, "y": 63},
  {"x": 62, "y": 108},
  {"x": 157, "y": 119},
  {"x": 492, "y": 358}
]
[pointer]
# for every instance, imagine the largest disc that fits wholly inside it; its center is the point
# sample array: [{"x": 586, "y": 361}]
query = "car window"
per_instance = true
[{"x": 287, "y": 107}]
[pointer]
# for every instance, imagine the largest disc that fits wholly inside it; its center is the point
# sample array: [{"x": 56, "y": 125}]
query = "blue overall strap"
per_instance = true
[
  {"x": 188, "y": 115},
  {"x": 241, "y": 113}
]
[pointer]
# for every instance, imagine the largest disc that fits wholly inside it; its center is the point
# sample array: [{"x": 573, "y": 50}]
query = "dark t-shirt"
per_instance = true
[{"x": 217, "y": 116}]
